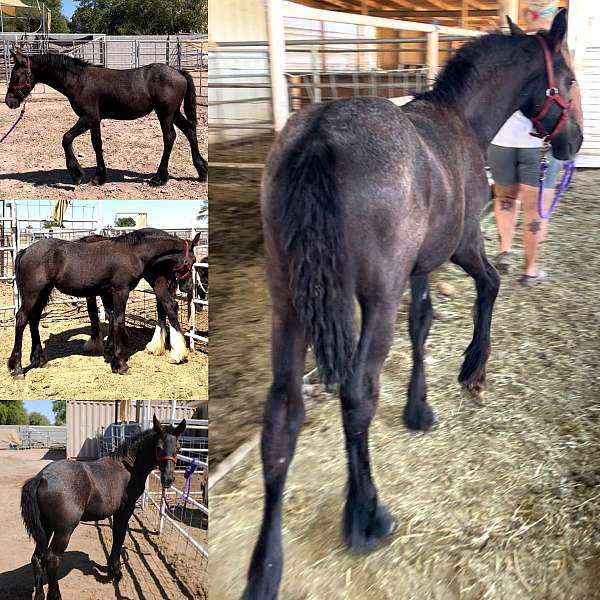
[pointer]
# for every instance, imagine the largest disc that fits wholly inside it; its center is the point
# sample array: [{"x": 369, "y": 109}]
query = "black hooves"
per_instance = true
[
  {"x": 157, "y": 181},
  {"x": 363, "y": 532},
  {"x": 418, "y": 416}
]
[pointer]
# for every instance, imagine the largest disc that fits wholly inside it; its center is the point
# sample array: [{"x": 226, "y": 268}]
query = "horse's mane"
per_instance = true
[
  {"x": 60, "y": 62},
  {"x": 139, "y": 236},
  {"x": 133, "y": 445},
  {"x": 460, "y": 72}
]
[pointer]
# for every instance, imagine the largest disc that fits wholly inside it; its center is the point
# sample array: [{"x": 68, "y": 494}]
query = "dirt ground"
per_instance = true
[
  {"x": 75, "y": 374},
  {"x": 32, "y": 163},
  {"x": 498, "y": 501},
  {"x": 150, "y": 569}
]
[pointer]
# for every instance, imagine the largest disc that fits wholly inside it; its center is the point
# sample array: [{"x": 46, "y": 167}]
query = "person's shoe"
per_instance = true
[
  {"x": 503, "y": 260},
  {"x": 531, "y": 280}
]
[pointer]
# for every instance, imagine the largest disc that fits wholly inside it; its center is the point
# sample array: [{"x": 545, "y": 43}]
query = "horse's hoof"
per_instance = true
[
  {"x": 363, "y": 533},
  {"x": 120, "y": 370},
  {"x": 418, "y": 416},
  {"x": 157, "y": 181},
  {"x": 98, "y": 180},
  {"x": 203, "y": 177},
  {"x": 19, "y": 375}
]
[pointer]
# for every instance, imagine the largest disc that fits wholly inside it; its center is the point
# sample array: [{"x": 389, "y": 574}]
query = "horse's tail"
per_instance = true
[
  {"x": 30, "y": 512},
  {"x": 18, "y": 270},
  {"x": 189, "y": 100},
  {"x": 311, "y": 226}
]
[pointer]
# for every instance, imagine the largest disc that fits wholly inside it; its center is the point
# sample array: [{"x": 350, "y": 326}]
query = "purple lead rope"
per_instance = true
[{"x": 569, "y": 169}]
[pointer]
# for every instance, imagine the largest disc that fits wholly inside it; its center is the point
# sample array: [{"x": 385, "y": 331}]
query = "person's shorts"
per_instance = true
[{"x": 520, "y": 165}]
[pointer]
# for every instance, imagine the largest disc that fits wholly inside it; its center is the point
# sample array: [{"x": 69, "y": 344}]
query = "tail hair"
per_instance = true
[
  {"x": 312, "y": 228},
  {"x": 189, "y": 100},
  {"x": 30, "y": 512}
]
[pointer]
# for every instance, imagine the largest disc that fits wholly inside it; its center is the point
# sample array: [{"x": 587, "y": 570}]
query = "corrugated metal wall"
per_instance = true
[{"x": 87, "y": 420}]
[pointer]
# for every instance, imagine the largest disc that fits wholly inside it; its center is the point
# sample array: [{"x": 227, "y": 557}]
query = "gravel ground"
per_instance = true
[
  {"x": 152, "y": 569},
  {"x": 32, "y": 163},
  {"x": 498, "y": 501}
]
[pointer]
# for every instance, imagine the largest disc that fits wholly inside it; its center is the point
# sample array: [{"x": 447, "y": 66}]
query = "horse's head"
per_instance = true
[
  {"x": 551, "y": 99},
  {"x": 167, "y": 445},
  {"x": 182, "y": 271},
  {"x": 22, "y": 79}
]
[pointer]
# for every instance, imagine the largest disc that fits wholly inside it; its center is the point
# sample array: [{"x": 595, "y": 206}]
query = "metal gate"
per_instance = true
[{"x": 9, "y": 247}]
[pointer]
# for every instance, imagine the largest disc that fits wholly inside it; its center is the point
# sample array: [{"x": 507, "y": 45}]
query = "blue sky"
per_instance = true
[
  {"x": 41, "y": 406},
  {"x": 69, "y": 7},
  {"x": 162, "y": 214}
]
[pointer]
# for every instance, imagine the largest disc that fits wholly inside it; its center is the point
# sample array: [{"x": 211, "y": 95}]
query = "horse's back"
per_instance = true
[{"x": 386, "y": 177}]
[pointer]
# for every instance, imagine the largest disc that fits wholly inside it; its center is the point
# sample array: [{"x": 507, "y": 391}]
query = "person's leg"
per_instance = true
[
  {"x": 502, "y": 162},
  {"x": 534, "y": 227}
]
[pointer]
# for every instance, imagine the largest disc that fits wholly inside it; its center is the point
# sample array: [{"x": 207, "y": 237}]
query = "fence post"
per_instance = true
[
  {"x": 279, "y": 92},
  {"x": 432, "y": 54}
]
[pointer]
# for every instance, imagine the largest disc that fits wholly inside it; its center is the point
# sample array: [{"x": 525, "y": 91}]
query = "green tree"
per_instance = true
[
  {"x": 125, "y": 222},
  {"x": 12, "y": 412},
  {"x": 203, "y": 212},
  {"x": 59, "y": 408},
  {"x": 29, "y": 18},
  {"x": 36, "y": 418},
  {"x": 127, "y": 17}
]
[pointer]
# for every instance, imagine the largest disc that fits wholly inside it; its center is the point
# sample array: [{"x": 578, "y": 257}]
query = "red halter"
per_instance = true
[
  {"x": 552, "y": 96},
  {"x": 166, "y": 458},
  {"x": 20, "y": 88},
  {"x": 184, "y": 270}
]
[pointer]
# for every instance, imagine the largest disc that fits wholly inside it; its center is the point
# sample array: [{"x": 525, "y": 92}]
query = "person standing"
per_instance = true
[{"x": 514, "y": 159}]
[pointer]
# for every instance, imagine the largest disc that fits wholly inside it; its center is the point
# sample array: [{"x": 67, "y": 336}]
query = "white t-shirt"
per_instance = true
[{"x": 515, "y": 133}]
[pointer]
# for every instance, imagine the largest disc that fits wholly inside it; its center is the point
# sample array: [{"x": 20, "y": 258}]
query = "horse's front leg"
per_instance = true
[
  {"x": 119, "y": 529},
  {"x": 117, "y": 325},
  {"x": 283, "y": 419},
  {"x": 73, "y": 165},
  {"x": 156, "y": 345},
  {"x": 179, "y": 351},
  {"x": 108, "y": 309},
  {"x": 100, "y": 177},
  {"x": 95, "y": 344},
  {"x": 471, "y": 257},
  {"x": 169, "y": 135}
]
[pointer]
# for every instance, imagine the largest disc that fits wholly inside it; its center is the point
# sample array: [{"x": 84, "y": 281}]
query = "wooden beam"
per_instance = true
[{"x": 433, "y": 13}]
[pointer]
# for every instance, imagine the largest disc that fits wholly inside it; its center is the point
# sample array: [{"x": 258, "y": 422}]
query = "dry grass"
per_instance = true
[{"x": 499, "y": 501}]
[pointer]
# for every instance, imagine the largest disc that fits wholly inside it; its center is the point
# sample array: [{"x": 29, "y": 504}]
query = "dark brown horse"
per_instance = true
[
  {"x": 97, "y": 93},
  {"x": 67, "y": 492},
  {"x": 111, "y": 269},
  {"x": 164, "y": 279},
  {"x": 361, "y": 197}
]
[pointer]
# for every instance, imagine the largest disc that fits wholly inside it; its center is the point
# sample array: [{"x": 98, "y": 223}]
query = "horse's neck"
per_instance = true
[
  {"x": 156, "y": 248},
  {"x": 486, "y": 104},
  {"x": 62, "y": 81}
]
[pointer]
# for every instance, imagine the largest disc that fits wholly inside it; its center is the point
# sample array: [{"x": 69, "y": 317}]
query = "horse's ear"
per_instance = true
[
  {"x": 558, "y": 31},
  {"x": 157, "y": 426},
  {"x": 180, "y": 428},
  {"x": 513, "y": 27}
]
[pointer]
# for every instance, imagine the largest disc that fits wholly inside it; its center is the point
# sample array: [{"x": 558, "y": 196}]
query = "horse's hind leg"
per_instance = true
[
  {"x": 94, "y": 344},
  {"x": 38, "y": 561},
  {"x": 417, "y": 413},
  {"x": 99, "y": 177},
  {"x": 59, "y": 544},
  {"x": 190, "y": 133},
  {"x": 283, "y": 419},
  {"x": 117, "y": 325},
  {"x": 471, "y": 257},
  {"x": 169, "y": 135},
  {"x": 366, "y": 522}
]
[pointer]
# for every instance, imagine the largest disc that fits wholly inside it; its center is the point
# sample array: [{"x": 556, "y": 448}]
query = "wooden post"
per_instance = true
[
  {"x": 464, "y": 14},
  {"x": 279, "y": 92},
  {"x": 432, "y": 54},
  {"x": 508, "y": 8}
]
